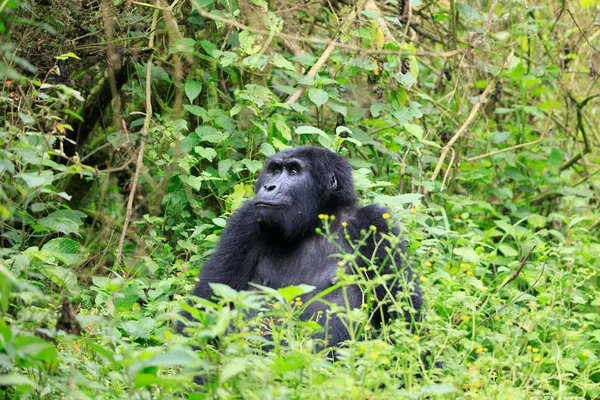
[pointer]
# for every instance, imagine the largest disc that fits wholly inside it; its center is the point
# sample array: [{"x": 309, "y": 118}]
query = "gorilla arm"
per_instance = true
[
  {"x": 234, "y": 260},
  {"x": 388, "y": 260}
]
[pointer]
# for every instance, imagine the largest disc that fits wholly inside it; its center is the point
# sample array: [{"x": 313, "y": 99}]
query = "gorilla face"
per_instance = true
[{"x": 287, "y": 200}]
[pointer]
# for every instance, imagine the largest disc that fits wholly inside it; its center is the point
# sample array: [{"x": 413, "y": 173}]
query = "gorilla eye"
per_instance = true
[
  {"x": 294, "y": 170},
  {"x": 276, "y": 170}
]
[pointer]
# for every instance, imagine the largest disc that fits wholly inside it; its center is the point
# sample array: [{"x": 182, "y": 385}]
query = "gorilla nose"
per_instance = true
[{"x": 269, "y": 188}]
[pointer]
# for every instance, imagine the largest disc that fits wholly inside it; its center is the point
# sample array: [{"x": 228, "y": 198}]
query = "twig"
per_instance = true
[
  {"x": 328, "y": 50},
  {"x": 518, "y": 146},
  {"x": 144, "y": 134},
  {"x": 482, "y": 97},
  {"x": 586, "y": 142},
  {"x": 314, "y": 40}
]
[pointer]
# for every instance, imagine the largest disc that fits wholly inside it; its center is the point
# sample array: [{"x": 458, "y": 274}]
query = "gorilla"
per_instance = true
[{"x": 273, "y": 240}]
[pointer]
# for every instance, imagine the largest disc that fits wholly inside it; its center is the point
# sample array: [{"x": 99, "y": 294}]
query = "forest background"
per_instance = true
[{"x": 131, "y": 130}]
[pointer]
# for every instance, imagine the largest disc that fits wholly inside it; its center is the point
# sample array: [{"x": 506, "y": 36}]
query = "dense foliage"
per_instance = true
[{"x": 130, "y": 131}]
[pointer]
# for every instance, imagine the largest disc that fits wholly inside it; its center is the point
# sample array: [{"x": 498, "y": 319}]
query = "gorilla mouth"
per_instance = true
[{"x": 269, "y": 204}]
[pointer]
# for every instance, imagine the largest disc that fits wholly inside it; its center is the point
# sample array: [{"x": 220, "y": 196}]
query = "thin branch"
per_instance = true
[
  {"x": 346, "y": 24},
  {"x": 144, "y": 134},
  {"x": 482, "y": 97},
  {"x": 518, "y": 146},
  {"x": 313, "y": 40}
]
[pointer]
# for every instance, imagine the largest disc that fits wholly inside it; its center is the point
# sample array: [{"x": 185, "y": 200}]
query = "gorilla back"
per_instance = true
[{"x": 272, "y": 240}]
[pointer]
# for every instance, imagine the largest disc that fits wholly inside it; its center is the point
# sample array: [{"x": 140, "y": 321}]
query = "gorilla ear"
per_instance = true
[{"x": 333, "y": 182}]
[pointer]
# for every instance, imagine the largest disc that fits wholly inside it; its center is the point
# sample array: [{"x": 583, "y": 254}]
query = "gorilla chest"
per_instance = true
[{"x": 312, "y": 262}]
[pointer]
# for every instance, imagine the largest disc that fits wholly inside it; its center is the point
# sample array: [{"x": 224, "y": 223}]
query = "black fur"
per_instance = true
[{"x": 272, "y": 241}]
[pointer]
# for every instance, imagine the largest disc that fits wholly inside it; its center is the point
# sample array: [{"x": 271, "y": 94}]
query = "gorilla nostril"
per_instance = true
[{"x": 269, "y": 188}]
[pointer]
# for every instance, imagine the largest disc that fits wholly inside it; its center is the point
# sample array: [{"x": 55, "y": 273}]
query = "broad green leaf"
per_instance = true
[
  {"x": 289, "y": 293},
  {"x": 507, "y": 250},
  {"x": 16, "y": 380},
  {"x": 65, "y": 221},
  {"x": 37, "y": 179},
  {"x": 67, "y": 250},
  {"x": 555, "y": 160},
  {"x": 437, "y": 389},
  {"x": 62, "y": 277},
  {"x": 231, "y": 369},
  {"x": 192, "y": 90},
  {"x": 139, "y": 329},
  {"x": 318, "y": 96},
  {"x": 468, "y": 254},
  {"x": 281, "y": 62},
  {"x": 196, "y": 110},
  {"x": 223, "y": 291},
  {"x": 282, "y": 127},
  {"x": 183, "y": 45},
  {"x": 207, "y": 153}
]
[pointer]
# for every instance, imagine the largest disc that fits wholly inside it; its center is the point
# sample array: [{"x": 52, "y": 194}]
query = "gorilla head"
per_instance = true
[{"x": 296, "y": 186}]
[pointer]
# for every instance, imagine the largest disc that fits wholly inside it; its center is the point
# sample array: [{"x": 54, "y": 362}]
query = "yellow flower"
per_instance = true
[
  {"x": 416, "y": 337},
  {"x": 469, "y": 273},
  {"x": 373, "y": 228},
  {"x": 364, "y": 305},
  {"x": 484, "y": 288},
  {"x": 414, "y": 210},
  {"x": 322, "y": 216},
  {"x": 340, "y": 263},
  {"x": 479, "y": 350},
  {"x": 529, "y": 347},
  {"x": 464, "y": 317},
  {"x": 428, "y": 264},
  {"x": 344, "y": 224},
  {"x": 537, "y": 358},
  {"x": 423, "y": 279},
  {"x": 386, "y": 215},
  {"x": 535, "y": 349},
  {"x": 367, "y": 328}
]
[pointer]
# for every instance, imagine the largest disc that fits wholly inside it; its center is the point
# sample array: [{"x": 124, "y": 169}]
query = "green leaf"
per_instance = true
[
  {"x": 555, "y": 160},
  {"x": 587, "y": 3},
  {"x": 65, "y": 221},
  {"x": 183, "y": 45},
  {"x": 318, "y": 96},
  {"x": 467, "y": 254},
  {"x": 61, "y": 277},
  {"x": 207, "y": 153},
  {"x": 231, "y": 369},
  {"x": 15, "y": 380},
  {"x": 139, "y": 329},
  {"x": 507, "y": 250},
  {"x": 192, "y": 90},
  {"x": 36, "y": 179},
  {"x": 437, "y": 389},
  {"x": 282, "y": 127},
  {"x": 196, "y": 110},
  {"x": 67, "y": 250},
  {"x": 223, "y": 291},
  {"x": 281, "y": 62},
  {"x": 289, "y": 293}
]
